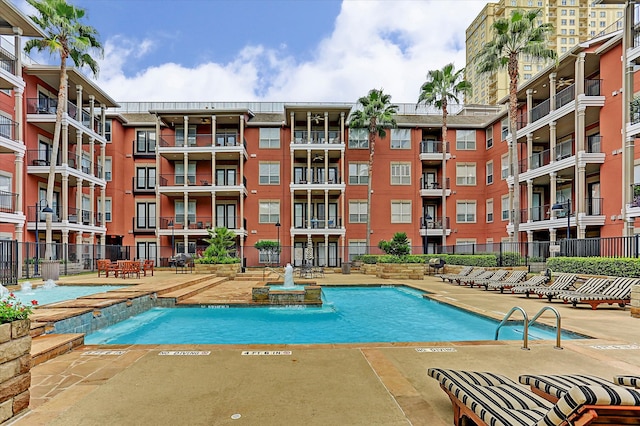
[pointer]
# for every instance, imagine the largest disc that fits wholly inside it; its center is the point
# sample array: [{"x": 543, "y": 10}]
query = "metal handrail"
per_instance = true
[
  {"x": 267, "y": 268},
  {"x": 558, "y": 321},
  {"x": 525, "y": 339}
]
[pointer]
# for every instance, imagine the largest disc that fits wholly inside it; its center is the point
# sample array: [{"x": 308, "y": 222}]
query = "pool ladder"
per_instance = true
[{"x": 527, "y": 324}]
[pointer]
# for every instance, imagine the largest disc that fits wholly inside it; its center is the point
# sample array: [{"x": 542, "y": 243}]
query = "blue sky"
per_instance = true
[{"x": 279, "y": 50}]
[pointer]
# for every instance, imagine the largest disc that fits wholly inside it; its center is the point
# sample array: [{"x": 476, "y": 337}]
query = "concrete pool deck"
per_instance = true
[{"x": 355, "y": 384}]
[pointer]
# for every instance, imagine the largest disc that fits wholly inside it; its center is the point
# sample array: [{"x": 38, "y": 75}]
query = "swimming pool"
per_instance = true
[
  {"x": 44, "y": 295},
  {"x": 349, "y": 315}
]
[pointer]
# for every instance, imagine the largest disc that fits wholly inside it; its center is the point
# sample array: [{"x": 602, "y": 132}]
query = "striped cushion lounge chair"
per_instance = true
[
  {"x": 513, "y": 279},
  {"x": 473, "y": 274},
  {"x": 619, "y": 291},
  {"x": 590, "y": 286},
  {"x": 470, "y": 280},
  {"x": 463, "y": 272},
  {"x": 562, "y": 282},
  {"x": 491, "y": 399},
  {"x": 535, "y": 281},
  {"x": 498, "y": 276},
  {"x": 553, "y": 386},
  {"x": 632, "y": 381}
]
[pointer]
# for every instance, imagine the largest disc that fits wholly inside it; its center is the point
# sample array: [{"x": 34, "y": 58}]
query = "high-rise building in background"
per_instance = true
[{"x": 575, "y": 21}]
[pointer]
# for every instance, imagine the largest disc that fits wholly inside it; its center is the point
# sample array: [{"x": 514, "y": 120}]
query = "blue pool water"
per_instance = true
[
  {"x": 349, "y": 315},
  {"x": 58, "y": 293}
]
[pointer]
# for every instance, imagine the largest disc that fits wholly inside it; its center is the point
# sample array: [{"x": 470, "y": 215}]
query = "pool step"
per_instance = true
[
  {"x": 194, "y": 288},
  {"x": 49, "y": 346}
]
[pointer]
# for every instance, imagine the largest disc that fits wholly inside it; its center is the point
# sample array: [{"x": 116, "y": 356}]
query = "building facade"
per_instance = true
[{"x": 574, "y": 22}]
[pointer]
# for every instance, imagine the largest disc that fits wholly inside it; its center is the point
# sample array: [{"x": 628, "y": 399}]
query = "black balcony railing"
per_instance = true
[
  {"x": 540, "y": 110},
  {"x": 593, "y": 206},
  {"x": 594, "y": 143},
  {"x": 434, "y": 184},
  {"x": 8, "y": 128},
  {"x": 592, "y": 86},
  {"x": 316, "y": 137},
  {"x": 539, "y": 213},
  {"x": 434, "y": 222},
  {"x": 42, "y": 105},
  {"x": 8, "y": 202},
  {"x": 7, "y": 61},
  {"x": 565, "y": 96},
  {"x": 433, "y": 147},
  {"x": 539, "y": 159}
]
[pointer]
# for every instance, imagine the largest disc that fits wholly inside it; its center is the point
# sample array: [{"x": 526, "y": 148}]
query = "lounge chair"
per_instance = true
[
  {"x": 451, "y": 277},
  {"x": 499, "y": 275},
  {"x": 562, "y": 282},
  {"x": 470, "y": 280},
  {"x": 513, "y": 279},
  {"x": 632, "y": 381},
  {"x": 590, "y": 286},
  {"x": 492, "y": 399},
  {"x": 553, "y": 386},
  {"x": 619, "y": 291},
  {"x": 534, "y": 281}
]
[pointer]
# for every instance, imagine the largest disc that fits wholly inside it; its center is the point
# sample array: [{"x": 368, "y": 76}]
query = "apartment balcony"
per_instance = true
[
  {"x": 333, "y": 184},
  {"x": 197, "y": 226},
  {"x": 433, "y": 226},
  {"x": 9, "y": 207},
  {"x": 199, "y": 184},
  {"x": 78, "y": 220},
  {"x": 304, "y": 226},
  {"x": 8, "y": 77},
  {"x": 633, "y": 53},
  {"x": 433, "y": 152},
  {"x": 42, "y": 113},
  {"x": 633, "y": 208},
  {"x": 316, "y": 137},
  {"x": 77, "y": 167},
  {"x": 225, "y": 145},
  {"x": 433, "y": 188},
  {"x": 8, "y": 135},
  {"x": 543, "y": 217}
]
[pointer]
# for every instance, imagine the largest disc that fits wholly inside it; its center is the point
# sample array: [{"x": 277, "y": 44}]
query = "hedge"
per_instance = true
[
  {"x": 608, "y": 266},
  {"x": 484, "y": 260}
]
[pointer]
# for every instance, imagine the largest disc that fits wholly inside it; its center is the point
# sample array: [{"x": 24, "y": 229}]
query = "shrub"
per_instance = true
[
  {"x": 618, "y": 266},
  {"x": 511, "y": 258},
  {"x": 398, "y": 246},
  {"x": 11, "y": 309}
]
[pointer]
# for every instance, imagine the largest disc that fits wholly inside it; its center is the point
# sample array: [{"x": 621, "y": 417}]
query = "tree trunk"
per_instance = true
[
  {"x": 444, "y": 173},
  {"x": 513, "y": 110},
  {"x": 372, "y": 147},
  {"x": 62, "y": 99}
]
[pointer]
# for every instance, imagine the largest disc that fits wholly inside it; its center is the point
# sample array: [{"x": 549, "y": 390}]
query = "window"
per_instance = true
[
  {"x": 400, "y": 173},
  {"x": 191, "y": 173},
  {"x": 400, "y": 138},
  {"x": 489, "y": 136},
  {"x": 145, "y": 215},
  {"x": 358, "y": 173},
  {"x": 489, "y": 172},
  {"x": 465, "y": 174},
  {"x": 357, "y": 211},
  {"x": 147, "y": 250},
  {"x": 504, "y": 126},
  {"x": 145, "y": 178},
  {"x": 603, "y": 14},
  {"x": 179, "y": 211},
  {"x": 401, "y": 211},
  {"x": 465, "y": 139},
  {"x": 269, "y": 173},
  {"x": 527, "y": 76},
  {"x": 6, "y": 195},
  {"x": 107, "y": 210},
  {"x": 191, "y": 135},
  {"x": 145, "y": 142},
  {"x": 466, "y": 211},
  {"x": 489, "y": 207},
  {"x": 107, "y": 130},
  {"x": 108, "y": 169},
  {"x": 504, "y": 166},
  {"x": 504, "y": 207},
  {"x": 269, "y": 137},
  {"x": 269, "y": 211},
  {"x": 356, "y": 248},
  {"x": 358, "y": 138}
]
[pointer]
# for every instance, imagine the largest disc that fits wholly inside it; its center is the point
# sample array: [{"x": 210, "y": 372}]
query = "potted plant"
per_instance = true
[
  {"x": 221, "y": 252},
  {"x": 15, "y": 355}
]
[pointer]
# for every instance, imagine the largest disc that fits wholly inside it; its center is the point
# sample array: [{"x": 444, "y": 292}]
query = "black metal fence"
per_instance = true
[{"x": 8, "y": 262}]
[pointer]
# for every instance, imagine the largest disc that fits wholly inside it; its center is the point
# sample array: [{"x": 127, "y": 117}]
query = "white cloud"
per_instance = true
[{"x": 374, "y": 44}]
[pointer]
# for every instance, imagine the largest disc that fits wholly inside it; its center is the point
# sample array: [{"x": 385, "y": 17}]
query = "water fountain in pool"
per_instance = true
[{"x": 287, "y": 293}]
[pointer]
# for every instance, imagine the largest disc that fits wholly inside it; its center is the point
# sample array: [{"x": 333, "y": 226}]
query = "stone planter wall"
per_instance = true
[
  {"x": 229, "y": 270},
  {"x": 400, "y": 271},
  {"x": 635, "y": 301},
  {"x": 15, "y": 368},
  {"x": 368, "y": 269}
]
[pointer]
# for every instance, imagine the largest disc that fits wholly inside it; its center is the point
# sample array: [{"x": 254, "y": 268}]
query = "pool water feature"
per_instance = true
[
  {"x": 45, "y": 294},
  {"x": 348, "y": 315}
]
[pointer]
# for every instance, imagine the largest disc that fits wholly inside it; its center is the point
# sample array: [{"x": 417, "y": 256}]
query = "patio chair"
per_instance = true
[
  {"x": 562, "y": 282},
  {"x": 492, "y": 399},
  {"x": 515, "y": 278},
  {"x": 590, "y": 286},
  {"x": 470, "y": 280},
  {"x": 619, "y": 291},
  {"x": 499, "y": 275},
  {"x": 451, "y": 277},
  {"x": 553, "y": 386}
]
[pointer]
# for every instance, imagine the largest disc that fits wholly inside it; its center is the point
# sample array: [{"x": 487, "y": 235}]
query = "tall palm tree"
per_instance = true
[
  {"x": 519, "y": 34},
  {"x": 67, "y": 37},
  {"x": 376, "y": 115},
  {"x": 442, "y": 87}
]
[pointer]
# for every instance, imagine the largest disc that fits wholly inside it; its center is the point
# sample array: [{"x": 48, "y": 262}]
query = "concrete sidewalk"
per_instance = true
[{"x": 372, "y": 384}]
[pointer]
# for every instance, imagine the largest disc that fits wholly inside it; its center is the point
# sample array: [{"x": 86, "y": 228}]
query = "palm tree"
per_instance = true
[
  {"x": 67, "y": 37},
  {"x": 519, "y": 34},
  {"x": 376, "y": 115},
  {"x": 444, "y": 86}
]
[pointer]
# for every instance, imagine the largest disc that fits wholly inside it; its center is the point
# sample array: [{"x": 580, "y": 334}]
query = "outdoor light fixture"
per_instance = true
[{"x": 278, "y": 228}]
